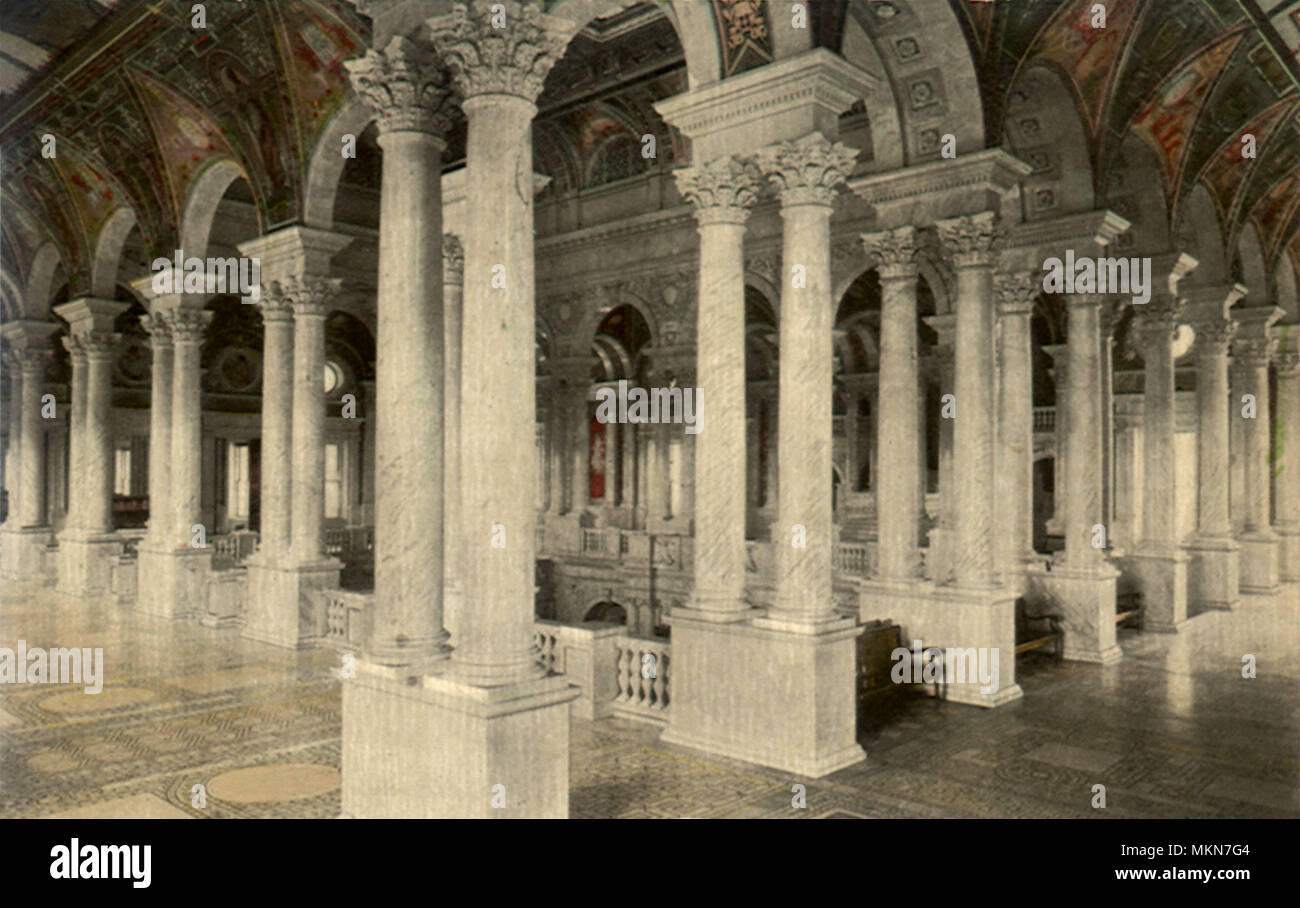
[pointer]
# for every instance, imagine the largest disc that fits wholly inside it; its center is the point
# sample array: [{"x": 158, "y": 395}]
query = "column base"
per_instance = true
[
  {"x": 1288, "y": 552},
  {"x": 23, "y": 552},
  {"x": 86, "y": 560},
  {"x": 771, "y": 695},
  {"x": 1213, "y": 573},
  {"x": 952, "y": 618},
  {"x": 441, "y": 749},
  {"x": 226, "y": 599},
  {"x": 1259, "y": 563},
  {"x": 281, "y": 606},
  {"x": 1084, "y": 596},
  {"x": 1160, "y": 575},
  {"x": 172, "y": 582}
]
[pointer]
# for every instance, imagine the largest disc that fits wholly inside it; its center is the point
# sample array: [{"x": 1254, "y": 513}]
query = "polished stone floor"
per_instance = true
[{"x": 1172, "y": 731}]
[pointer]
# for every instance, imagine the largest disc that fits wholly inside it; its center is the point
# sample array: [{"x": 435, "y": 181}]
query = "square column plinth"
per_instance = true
[
  {"x": 766, "y": 692},
  {"x": 24, "y": 553},
  {"x": 172, "y": 583},
  {"x": 1085, "y": 598},
  {"x": 1259, "y": 563},
  {"x": 282, "y": 608},
  {"x": 1288, "y": 553},
  {"x": 86, "y": 563},
  {"x": 435, "y": 748},
  {"x": 1213, "y": 574},
  {"x": 1161, "y": 578},
  {"x": 953, "y": 618}
]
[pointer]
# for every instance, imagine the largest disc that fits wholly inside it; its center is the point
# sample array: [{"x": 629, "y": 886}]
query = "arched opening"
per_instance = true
[{"x": 606, "y": 612}]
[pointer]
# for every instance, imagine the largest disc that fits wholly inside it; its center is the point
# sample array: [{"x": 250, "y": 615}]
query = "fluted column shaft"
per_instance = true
[
  {"x": 1016, "y": 294},
  {"x": 806, "y": 173},
  {"x": 185, "y": 498},
  {"x": 277, "y": 424},
  {"x": 969, "y": 241},
  {"x": 896, "y": 475},
  {"x": 1083, "y": 481},
  {"x": 31, "y": 496},
  {"x": 160, "y": 432},
  {"x": 722, "y": 193}
]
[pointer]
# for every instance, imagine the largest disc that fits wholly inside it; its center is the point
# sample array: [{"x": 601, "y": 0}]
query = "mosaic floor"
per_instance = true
[{"x": 1172, "y": 731}]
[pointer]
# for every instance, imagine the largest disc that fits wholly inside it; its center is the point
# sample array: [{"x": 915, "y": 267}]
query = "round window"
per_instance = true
[{"x": 333, "y": 377}]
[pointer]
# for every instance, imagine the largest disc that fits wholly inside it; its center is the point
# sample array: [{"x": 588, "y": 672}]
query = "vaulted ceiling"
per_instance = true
[{"x": 139, "y": 101}]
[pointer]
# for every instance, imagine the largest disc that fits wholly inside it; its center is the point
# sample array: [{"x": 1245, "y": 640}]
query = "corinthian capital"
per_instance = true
[
  {"x": 160, "y": 334},
  {"x": 188, "y": 325},
  {"x": 1214, "y": 336},
  {"x": 503, "y": 51},
  {"x": 407, "y": 86},
  {"x": 1016, "y": 291},
  {"x": 453, "y": 259},
  {"x": 894, "y": 251},
  {"x": 970, "y": 240},
  {"x": 807, "y": 171},
  {"x": 722, "y": 190},
  {"x": 306, "y": 296}
]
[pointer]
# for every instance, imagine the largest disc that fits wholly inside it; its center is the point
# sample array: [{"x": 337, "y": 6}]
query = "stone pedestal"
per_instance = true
[
  {"x": 1213, "y": 573},
  {"x": 272, "y": 586},
  {"x": 1259, "y": 563},
  {"x": 172, "y": 583},
  {"x": 951, "y": 618},
  {"x": 1161, "y": 577},
  {"x": 1085, "y": 598},
  {"x": 779, "y": 695},
  {"x": 86, "y": 562},
  {"x": 224, "y": 606},
  {"x": 24, "y": 553},
  {"x": 440, "y": 749}
]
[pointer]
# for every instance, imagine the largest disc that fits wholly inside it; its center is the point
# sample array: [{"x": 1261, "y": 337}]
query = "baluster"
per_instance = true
[
  {"x": 661, "y": 681},
  {"x": 624, "y": 690}
]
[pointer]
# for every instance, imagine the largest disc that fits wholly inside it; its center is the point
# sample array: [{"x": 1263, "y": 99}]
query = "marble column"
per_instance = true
[
  {"x": 969, "y": 241},
  {"x": 1286, "y": 475},
  {"x": 312, "y": 301},
  {"x": 1159, "y": 562},
  {"x": 721, "y": 192},
  {"x": 572, "y": 375},
  {"x": 1016, "y": 292},
  {"x": 1060, "y": 354},
  {"x": 896, "y": 475},
  {"x": 277, "y": 423},
  {"x": 1213, "y": 572},
  {"x": 13, "y": 456},
  {"x": 26, "y": 535},
  {"x": 453, "y": 286},
  {"x": 184, "y": 582},
  {"x": 411, "y": 93},
  {"x": 160, "y": 429},
  {"x": 806, "y": 173},
  {"x": 941, "y": 365},
  {"x": 1252, "y": 350},
  {"x": 87, "y": 546}
]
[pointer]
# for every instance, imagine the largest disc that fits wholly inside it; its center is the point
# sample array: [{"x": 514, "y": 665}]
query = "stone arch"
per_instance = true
[
  {"x": 201, "y": 201},
  {"x": 921, "y": 51},
  {"x": 1042, "y": 127},
  {"x": 1254, "y": 273},
  {"x": 1284, "y": 287},
  {"x": 693, "y": 22},
  {"x": 589, "y": 324},
  {"x": 41, "y": 282},
  {"x": 108, "y": 250},
  {"x": 1198, "y": 232},
  {"x": 1135, "y": 190},
  {"x": 326, "y": 164},
  {"x": 606, "y": 610}
]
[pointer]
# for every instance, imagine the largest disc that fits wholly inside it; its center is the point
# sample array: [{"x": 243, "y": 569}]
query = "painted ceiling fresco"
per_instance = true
[
  {"x": 1189, "y": 77},
  {"x": 139, "y": 102}
]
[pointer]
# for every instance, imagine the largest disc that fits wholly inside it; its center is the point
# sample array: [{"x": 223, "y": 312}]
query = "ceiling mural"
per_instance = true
[{"x": 140, "y": 102}]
